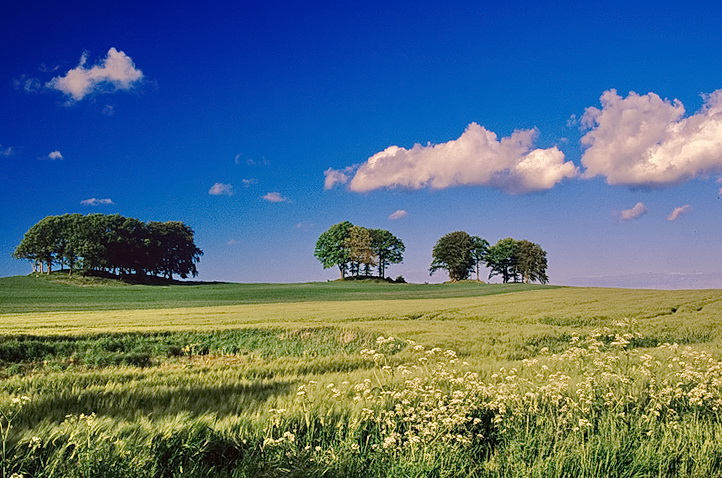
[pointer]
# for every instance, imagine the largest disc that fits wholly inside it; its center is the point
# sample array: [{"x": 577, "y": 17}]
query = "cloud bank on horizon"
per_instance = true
[
  {"x": 637, "y": 141},
  {"x": 115, "y": 72}
]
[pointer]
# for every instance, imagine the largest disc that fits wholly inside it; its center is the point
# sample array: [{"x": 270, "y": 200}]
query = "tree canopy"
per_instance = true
[
  {"x": 110, "y": 243},
  {"x": 517, "y": 260},
  {"x": 453, "y": 253},
  {"x": 459, "y": 254},
  {"x": 356, "y": 249}
]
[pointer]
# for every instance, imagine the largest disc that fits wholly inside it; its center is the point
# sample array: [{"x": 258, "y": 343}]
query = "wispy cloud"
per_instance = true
[
  {"x": 477, "y": 157},
  {"x": 400, "y": 214},
  {"x": 304, "y": 226},
  {"x": 249, "y": 182},
  {"x": 27, "y": 84},
  {"x": 96, "y": 202},
  {"x": 635, "y": 212},
  {"x": 239, "y": 159},
  {"x": 275, "y": 197},
  {"x": 644, "y": 140},
  {"x": 53, "y": 155},
  {"x": 334, "y": 176},
  {"x": 9, "y": 151},
  {"x": 233, "y": 242},
  {"x": 678, "y": 211},
  {"x": 221, "y": 189},
  {"x": 115, "y": 72}
]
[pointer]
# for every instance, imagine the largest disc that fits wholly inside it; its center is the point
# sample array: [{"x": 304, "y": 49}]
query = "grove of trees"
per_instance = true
[
  {"x": 112, "y": 244},
  {"x": 514, "y": 260},
  {"x": 355, "y": 250}
]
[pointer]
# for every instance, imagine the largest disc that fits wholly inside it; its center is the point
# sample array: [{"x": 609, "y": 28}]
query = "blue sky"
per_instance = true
[{"x": 262, "y": 124}]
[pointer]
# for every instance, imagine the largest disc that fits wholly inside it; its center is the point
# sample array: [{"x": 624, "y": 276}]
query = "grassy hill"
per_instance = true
[{"x": 58, "y": 293}]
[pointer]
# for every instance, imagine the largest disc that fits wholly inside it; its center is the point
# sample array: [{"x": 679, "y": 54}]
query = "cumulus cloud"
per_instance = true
[
  {"x": 477, "y": 157},
  {"x": 55, "y": 155},
  {"x": 96, "y": 202},
  {"x": 636, "y": 212},
  {"x": 115, "y": 72},
  {"x": 220, "y": 189},
  {"x": 678, "y": 211},
  {"x": 275, "y": 197},
  {"x": 400, "y": 214},
  {"x": 643, "y": 140}
]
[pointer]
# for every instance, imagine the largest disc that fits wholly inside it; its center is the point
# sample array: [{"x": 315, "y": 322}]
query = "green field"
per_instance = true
[{"x": 371, "y": 379}]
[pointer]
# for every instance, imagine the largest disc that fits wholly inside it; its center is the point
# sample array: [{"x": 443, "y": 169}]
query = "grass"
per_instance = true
[
  {"x": 58, "y": 292},
  {"x": 304, "y": 380}
]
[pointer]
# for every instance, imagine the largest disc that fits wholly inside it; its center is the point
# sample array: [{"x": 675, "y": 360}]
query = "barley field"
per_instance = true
[{"x": 357, "y": 379}]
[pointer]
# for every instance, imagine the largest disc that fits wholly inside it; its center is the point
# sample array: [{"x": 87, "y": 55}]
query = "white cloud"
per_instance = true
[
  {"x": 115, "y": 72},
  {"x": 233, "y": 242},
  {"x": 335, "y": 176},
  {"x": 28, "y": 84},
  {"x": 55, "y": 155},
  {"x": 251, "y": 162},
  {"x": 96, "y": 202},
  {"x": 636, "y": 212},
  {"x": 109, "y": 110},
  {"x": 275, "y": 197},
  {"x": 477, "y": 157},
  {"x": 678, "y": 211},
  {"x": 249, "y": 182},
  {"x": 304, "y": 226},
  {"x": 220, "y": 189},
  {"x": 643, "y": 140},
  {"x": 9, "y": 151},
  {"x": 400, "y": 214}
]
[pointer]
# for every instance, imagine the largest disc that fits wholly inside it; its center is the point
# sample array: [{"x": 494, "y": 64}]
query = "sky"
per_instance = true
[{"x": 591, "y": 128}]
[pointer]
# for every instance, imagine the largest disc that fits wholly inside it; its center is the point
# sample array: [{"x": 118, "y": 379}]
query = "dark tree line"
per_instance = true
[
  {"x": 355, "y": 250},
  {"x": 514, "y": 260},
  {"x": 110, "y": 243}
]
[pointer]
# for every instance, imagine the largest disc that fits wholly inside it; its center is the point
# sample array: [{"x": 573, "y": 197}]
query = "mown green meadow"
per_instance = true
[{"x": 370, "y": 379}]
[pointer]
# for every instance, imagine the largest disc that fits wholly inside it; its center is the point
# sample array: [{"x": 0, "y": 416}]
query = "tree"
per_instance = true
[
  {"x": 41, "y": 244},
  {"x": 517, "y": 261},
  {"x": 453, "y": 252},
  {"x": 531, "y": 262},
  {"x": 172, "y": 249},
  {"x": 502, "y": 258},
  {"x": 388, "y": 249},
  {"x": 331, "y": 247},
  {"x": 358, "y": 245},
  {"x": 479, "y": 249}
]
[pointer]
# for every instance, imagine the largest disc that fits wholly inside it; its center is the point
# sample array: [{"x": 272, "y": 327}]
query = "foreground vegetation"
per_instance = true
[{"x": 544, "y": 382}]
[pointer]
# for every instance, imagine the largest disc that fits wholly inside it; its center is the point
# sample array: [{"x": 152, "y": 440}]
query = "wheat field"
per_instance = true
[{"x": 518, "y": 382}]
